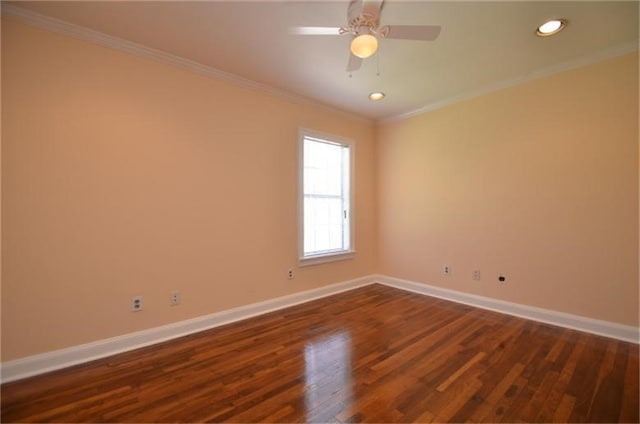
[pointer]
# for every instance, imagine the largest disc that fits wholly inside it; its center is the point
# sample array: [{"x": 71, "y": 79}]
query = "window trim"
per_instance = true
[{"x": 327, "y": 256}]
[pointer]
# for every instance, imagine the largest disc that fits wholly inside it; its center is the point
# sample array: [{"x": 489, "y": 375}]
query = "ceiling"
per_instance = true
[{"x": 481, "y": 45}]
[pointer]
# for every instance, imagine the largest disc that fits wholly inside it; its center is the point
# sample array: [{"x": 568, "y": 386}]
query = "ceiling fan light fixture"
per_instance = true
[
  {"x": 376, "y": 95},
  {"x": 551, "y": 27},
  {"x": 364, "y": 45}
]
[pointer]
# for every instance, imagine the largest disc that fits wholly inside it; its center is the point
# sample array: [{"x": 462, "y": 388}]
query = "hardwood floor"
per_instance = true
[{"x": 374, "y": 354}]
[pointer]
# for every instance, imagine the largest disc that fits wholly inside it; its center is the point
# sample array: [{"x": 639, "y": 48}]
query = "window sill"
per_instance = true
[{"x": 329, "y": 257}]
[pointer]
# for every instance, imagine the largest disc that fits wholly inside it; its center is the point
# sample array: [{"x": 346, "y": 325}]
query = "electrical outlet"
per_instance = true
[
  {"x": 446, "y": 270},
  {"x": 290, "y": 274},
  {"x": 175, "y": 298},
  {"x": 476, "y": 274},
  {"x": 136, "y": 303}
]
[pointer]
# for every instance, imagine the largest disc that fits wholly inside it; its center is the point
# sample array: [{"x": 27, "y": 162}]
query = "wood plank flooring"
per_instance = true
[{"x": 375, "y": 354}]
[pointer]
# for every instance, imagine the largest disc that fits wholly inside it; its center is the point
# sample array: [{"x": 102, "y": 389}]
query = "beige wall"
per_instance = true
[
  {"x": 123, "y": 176},
  {"x": 538, "y": 181}
]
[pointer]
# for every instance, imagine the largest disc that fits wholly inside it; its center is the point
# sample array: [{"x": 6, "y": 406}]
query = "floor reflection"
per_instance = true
[{"x": 328, "y": 381}]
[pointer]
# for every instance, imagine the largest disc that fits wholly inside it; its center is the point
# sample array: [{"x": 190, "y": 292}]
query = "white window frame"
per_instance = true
[{"x": 333, "y": 255}]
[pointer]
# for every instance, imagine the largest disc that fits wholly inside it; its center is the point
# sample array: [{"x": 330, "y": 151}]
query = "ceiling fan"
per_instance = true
[{"x": 364, "y": 27}]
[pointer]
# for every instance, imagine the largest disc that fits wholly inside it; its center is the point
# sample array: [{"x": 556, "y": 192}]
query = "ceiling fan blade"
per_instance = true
[
  {"x": 354, "y": 63},
  {"x": 315, "y": 30},
  {"x": 411, "y": 32},
  {"x": 371, "y": 9},
  {"x": 354, "y": 10}
]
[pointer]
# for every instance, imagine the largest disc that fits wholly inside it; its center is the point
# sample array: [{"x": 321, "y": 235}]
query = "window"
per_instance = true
[{"x": 326, "y": 175}]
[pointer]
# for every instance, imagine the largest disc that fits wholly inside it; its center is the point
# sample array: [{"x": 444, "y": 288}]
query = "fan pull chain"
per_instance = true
[{"x": 378, "y": 63}]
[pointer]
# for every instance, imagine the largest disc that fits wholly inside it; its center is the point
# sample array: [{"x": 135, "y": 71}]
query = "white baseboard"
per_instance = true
[
  {"x": 589, "y": 325},
  {"x": 50, "y": 361}
]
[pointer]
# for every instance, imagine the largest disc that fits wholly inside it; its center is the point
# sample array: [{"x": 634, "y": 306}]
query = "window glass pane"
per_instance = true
[
  {"x": 323, "y": 224},
  {"x": 325, "y": 197},
  {"x": 322, "y": 168}
]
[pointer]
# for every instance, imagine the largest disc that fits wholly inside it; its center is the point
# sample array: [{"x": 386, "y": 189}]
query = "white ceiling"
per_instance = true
[{"x": 482, "y": 45}]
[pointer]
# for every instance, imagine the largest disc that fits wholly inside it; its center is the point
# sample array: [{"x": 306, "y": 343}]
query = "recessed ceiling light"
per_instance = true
[
  {"x": 378, "y": 95},
  {"x": 551, "y": 27}
]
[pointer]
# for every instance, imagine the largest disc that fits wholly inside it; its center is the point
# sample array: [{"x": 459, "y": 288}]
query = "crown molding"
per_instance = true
[
  {"x": 599, "y": 56},
  {"x": 86, "y": 34},
  {"x": 106, "y": 40}
]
